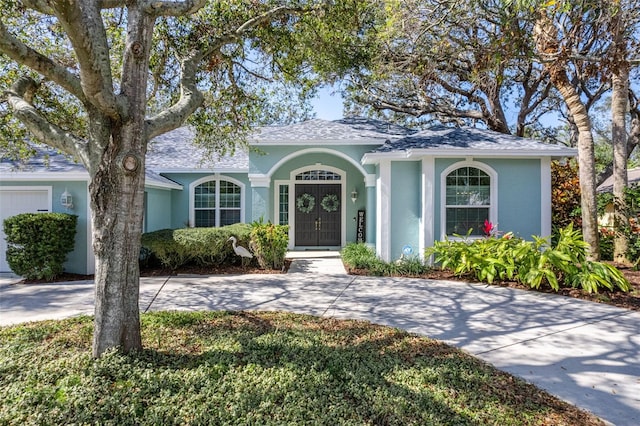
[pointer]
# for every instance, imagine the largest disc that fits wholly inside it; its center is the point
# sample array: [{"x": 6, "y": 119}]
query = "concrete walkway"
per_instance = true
[{"x": 585, "y": 353}]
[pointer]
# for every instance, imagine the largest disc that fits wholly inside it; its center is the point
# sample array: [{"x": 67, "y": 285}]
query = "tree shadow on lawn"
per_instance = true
[{"x": 368, "y": 373}]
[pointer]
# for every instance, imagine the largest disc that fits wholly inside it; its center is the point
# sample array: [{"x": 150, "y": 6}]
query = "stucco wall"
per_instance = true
[
  {"x": 354, "y": 180},
  {"x": 406, "y": 201},
  {"x": 158, "y": 209},
  {"x": 519, "y": 194},
  {"x": 77, "y": 259},
  {"x": 268, "y": 156}
]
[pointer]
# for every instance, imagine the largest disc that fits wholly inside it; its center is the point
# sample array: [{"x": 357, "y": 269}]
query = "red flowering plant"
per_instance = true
[{"x": 488, "y": 229}]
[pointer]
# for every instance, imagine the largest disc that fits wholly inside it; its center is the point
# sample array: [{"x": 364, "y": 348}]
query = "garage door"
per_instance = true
[{"x": 14, "y": 201}]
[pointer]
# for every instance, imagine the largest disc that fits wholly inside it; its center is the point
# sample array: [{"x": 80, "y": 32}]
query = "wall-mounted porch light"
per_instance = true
[
  {"x": 354, "y": 195},
  {"x": 66, "y": 200}
]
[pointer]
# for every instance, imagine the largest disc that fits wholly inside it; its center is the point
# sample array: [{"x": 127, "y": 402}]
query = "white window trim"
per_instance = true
[
  {"x": 217, "y": 178},
  {"x": 493, "y": 194},
  {"x": 276, "y": 199}
]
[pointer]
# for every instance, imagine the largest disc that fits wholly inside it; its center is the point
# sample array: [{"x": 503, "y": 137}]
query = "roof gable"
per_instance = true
[{"x": 352, "y": 130}]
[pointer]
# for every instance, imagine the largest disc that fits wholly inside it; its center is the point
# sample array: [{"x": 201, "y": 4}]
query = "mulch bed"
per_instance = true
[{"x": 629, "y": 300}]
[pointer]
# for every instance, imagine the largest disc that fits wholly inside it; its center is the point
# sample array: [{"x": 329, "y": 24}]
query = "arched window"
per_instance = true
[
  {"x": 468, "y": 201},
  {"x": 217, "y": 202}
]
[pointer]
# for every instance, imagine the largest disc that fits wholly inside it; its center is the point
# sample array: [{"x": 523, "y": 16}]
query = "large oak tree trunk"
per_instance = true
[{"x": 117, "y": 196}]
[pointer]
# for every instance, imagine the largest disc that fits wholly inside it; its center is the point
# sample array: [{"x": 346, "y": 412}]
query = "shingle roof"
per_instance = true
[
  {"x": 633, "y": 178},
  {"x": 49, "y": 161},
  {"x": 354, "y": 130},
  {"x": 472, "y": 140},
  {"x": 45, "y": 160},
  {"x": 173, "y": 151}
]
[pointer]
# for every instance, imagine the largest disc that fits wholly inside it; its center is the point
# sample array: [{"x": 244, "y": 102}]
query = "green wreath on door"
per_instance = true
[
  {"x": 305, "y": 203},
  {"x": 330, "y": 203}
]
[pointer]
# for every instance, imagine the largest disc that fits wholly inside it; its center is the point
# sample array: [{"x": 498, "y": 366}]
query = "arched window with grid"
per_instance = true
[
  {"x": 468, "y": 201},
  {"x": 217, "y": 202}
]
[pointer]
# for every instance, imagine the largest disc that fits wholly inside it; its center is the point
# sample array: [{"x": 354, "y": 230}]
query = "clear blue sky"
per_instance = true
[{"x": 327, "y": 105}]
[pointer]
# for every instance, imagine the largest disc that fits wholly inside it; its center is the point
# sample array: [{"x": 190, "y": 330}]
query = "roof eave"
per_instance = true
[
  {"x": 303, "y": 142},
  {"x": 375, "y": 157},
  {"x": 38, "y": 176},
  {"x": 191, "y": 170}
]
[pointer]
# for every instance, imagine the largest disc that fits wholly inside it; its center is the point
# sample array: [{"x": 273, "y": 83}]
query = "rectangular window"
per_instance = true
[
  {"x": 217, "y": 203},
  {"x": 460, "y": 220},
  {"x": 283, "y": 205},
  {"x": 205, "y": 218},
  {"x": 229, "y": 217}
]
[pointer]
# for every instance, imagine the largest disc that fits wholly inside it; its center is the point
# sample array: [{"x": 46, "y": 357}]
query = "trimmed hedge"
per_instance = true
[
  {"x": 201, "y": 246},
  {"x": 38, "y": 243}
]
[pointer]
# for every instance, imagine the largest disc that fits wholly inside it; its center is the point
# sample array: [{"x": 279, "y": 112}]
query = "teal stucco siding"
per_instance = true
[
  {"x": 353, "y": 180},
  {"x": 519, "y": 194},
  {"x": 158, "y": 209},
  {"x": 180, "y": 199},
  {"x": 77, "y": 261},
  {"x": 406, "y": 201}
]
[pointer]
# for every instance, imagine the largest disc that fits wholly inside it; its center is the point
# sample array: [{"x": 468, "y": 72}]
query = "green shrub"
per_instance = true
[
  {"x": 631, "y": 229},
  {"x": 533, "y": 263},
  {"x": 201, "y": 246},
  {"x": 269, "y": 243},
  {"x": 38, "y": 243},
  {"x": 360, "y": 256}
]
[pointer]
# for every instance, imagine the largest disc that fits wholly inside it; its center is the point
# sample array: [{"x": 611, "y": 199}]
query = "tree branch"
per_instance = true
[
  {"x": 190, "y": 96},
  {"x": 83, "y": 24},
  {"x": 190, "y": 100},
  {"x": 41, "y": 6},
  {"x": 23, "y": 54},
  {"x": 19, "y": 98},
  {"x": 173, "y": 8}
]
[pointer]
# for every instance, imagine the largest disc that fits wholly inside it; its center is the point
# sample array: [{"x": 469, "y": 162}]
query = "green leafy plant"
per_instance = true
[
  {"x": 631, "y": 229},
  {"x": 269, "y": 243},
  {"x": 38, "y": 243},
  {"x": 358, "y": 256},
  {"x": 533, "y": 263}
]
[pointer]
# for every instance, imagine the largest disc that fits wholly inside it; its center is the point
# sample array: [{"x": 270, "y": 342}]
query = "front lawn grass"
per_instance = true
[{"x": 259, "y": 368}]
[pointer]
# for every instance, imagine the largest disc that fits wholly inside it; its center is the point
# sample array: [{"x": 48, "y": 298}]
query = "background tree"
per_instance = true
[
  {"x": 451, "y": 62},
  {"x": 99, "y": 79}
]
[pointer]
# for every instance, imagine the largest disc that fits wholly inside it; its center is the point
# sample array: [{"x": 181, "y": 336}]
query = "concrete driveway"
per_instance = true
[{"x": 585, "y": 353}]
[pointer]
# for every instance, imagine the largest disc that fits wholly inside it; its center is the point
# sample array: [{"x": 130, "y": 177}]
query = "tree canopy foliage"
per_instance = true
[{"x": 100, "y": 79}]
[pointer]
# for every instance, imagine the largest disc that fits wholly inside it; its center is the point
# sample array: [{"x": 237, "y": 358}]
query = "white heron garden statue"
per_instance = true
[{"x": 239, "y": 250}]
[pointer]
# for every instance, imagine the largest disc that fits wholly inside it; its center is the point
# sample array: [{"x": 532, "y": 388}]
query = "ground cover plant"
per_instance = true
[{"x": 259, "y": 368}]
